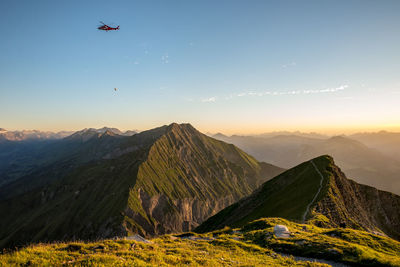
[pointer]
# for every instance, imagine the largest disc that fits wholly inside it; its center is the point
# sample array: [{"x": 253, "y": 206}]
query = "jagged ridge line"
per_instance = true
[{"x": 316, "y": 195}]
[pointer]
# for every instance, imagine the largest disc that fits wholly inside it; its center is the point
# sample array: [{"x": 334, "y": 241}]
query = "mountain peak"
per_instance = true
[
  {"x": 179, "y": 127},
  {"x": 84, "y": 134},
  {"x": 89, "y": 133},
  {"x": 220, "y": 136},
  {"x": 109, "y": 132},
  {"x": 344, "y": 141},
  {"x": 168, "y": 179},
  {"x": 108, "y": 129},
  {"x": 339, "y": 138},
  {"x": 181, "y": 130},
  {"x": 312, "y": 189}
]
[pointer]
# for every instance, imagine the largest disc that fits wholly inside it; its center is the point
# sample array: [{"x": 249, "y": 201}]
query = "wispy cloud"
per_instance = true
[
  {"x": 210, "y": 99},
  {"x": 291, "y": 64},
  {"x": 277, "y": 93},
  {"x": 292, "y": 92}
]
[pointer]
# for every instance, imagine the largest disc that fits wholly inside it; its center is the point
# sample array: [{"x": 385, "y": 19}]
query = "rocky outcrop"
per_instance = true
[
  {"x": 175, "y": 216},
  {"x": 360, "y": 206}
]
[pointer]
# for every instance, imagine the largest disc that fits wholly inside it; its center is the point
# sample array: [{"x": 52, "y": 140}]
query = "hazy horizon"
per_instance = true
[{"x": 327, "y": 132}]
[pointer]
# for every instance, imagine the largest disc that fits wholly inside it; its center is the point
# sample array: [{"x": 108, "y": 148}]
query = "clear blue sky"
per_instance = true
[{"x": 230, "y": 66}]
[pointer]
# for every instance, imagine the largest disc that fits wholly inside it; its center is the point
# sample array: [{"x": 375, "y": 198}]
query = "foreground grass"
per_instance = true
[
  {"x": 339, "y": 244},
  {"x": 251, "y": 245},
  {"x": 162, "y": 252}
]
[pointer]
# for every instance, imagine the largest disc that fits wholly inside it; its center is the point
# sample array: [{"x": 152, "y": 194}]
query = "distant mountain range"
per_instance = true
[
  {"x": 23, "y": 151},
  {"x": 386, "y": 142},
  {"x": 94, "y": 185},
  {"x": 277, "y": 133},
  {"x": 365, "y": 164},
  {"x": 30, "y": 135},
  {"x": 46, "y": 135},
  {"x": 316, "y": 191}
]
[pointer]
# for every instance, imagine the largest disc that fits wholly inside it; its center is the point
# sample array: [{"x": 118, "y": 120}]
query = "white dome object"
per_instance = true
[{"x": 281, "y": 231}]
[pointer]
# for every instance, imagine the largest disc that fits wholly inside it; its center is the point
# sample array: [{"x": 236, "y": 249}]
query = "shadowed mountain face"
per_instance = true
[
  {"x": 361, "y": 163},
  {"x": 318, "y": 191},
  {"x": 169, "y": 179},
  {"x": 22, "y": 152}
]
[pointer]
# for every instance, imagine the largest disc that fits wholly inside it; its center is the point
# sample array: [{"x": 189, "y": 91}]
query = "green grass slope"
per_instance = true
[
  {"x": 252, "y": 245},
  {"x": 299, "y": 194},
  {"x": 186, "y": 178},
  {"x": 286, "y": 196},
  {"x": 346, "y": 245}
]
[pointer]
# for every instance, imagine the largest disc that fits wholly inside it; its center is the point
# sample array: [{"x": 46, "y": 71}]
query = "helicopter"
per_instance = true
[{"x": 105, "y": 27}]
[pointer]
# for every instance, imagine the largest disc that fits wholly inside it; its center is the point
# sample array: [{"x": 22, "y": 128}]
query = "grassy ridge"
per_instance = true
[
  {"x": 338, "y": 244},
  {"x": 252, "y": 245},
  {"x": 185, "y": 165},
  {"x": 184, "y": 153},
  {"x": 341, "y": 201},
  {"x": 286, "y": 195}
]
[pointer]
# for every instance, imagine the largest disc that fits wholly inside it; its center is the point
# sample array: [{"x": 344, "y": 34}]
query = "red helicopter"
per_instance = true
[{"x": 105, "y": 27}]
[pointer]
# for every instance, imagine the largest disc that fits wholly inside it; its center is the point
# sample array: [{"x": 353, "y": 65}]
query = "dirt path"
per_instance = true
[
  {"x": 305, "y": 259},
  {"x": 316, "y": 195}
]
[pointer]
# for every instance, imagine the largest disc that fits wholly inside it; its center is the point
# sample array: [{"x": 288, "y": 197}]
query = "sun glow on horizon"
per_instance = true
[{"x": 235, "y": 130}]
